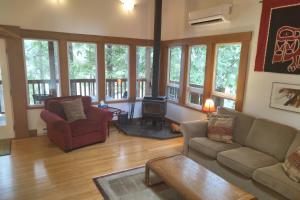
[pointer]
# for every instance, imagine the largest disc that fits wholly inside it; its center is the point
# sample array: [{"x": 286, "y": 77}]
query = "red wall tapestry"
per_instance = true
[{"x": 278, "y": 48}]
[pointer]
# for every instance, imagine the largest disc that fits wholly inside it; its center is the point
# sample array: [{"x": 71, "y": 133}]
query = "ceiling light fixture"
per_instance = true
[{"x": 128, "y": 5}]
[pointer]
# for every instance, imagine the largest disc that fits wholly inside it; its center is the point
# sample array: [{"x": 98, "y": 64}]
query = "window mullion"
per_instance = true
[
  {"x": 184, "y": 73},
  {"x": 209, "y": 71}
]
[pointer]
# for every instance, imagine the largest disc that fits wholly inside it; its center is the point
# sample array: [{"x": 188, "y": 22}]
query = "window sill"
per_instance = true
[{"x": 186, "y": 106}]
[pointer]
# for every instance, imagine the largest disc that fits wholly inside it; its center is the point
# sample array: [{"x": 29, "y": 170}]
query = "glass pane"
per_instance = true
[
  {"x": 82, "y": 59},
  {"x": 116, "y": 71},
  {"x": 2, "y": 108},
  {"x": 144, "y": 57},
  {"x": 227, "y": 68},
  {"x": 197, "y": 65},
  {"x": 42, "y": 70},
  {"x": 221, "y": 102},
  {"x": 195, "y": 98},
  {"x": 174, "y": 64}
]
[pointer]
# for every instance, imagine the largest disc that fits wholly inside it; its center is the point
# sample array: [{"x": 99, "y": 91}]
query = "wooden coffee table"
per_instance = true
[{"x": 192, "y": 180}]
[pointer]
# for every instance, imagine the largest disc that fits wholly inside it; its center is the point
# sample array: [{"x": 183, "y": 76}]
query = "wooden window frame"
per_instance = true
[
  {"x": 189, "y": 88},
  {"x": 210, "y": 41},
  {"x": 131, "y": 57},
  {"x": 175, "y": 85},
  {"x": 136, "y": 65},
  {"x": 97, "y": 67},
  {"x": 37, "y": 106}
]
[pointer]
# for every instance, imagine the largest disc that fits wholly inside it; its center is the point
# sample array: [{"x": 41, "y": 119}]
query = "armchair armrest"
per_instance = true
[{"x": 193, "y": 129}]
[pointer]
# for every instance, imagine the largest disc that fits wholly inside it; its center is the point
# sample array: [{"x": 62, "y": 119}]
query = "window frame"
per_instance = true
[
  {"x": 244, "y": 38},
  {"x": 191, "y": 89},
  {"x": 151, "y": 66},
  {"x": 34, "y": 106},
  {"x": 221, "y": 94},
  {"x": 173, "y": 84},
  {"x": 97, "y": 68},
  {"x": 129, "y": 80}
]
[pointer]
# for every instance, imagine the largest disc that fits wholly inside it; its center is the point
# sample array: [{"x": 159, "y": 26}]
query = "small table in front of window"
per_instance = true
[{"x": 115, "y": 112}]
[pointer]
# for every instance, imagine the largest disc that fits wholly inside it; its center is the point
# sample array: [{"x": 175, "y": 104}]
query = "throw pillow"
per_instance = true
[
  {"x": 57, "y": 108},
  {"x": 220, "y": 128},
  {"x": 291, "y": 166},
  {"x": 74, "y": 110}
]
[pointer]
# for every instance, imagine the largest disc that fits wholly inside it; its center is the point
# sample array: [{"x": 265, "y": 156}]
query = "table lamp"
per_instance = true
[{"x": 209, "y": 107}]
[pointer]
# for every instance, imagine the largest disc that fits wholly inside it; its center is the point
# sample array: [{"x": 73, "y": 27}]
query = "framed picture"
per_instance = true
[
  {"x": 278, "y": 48},
  {"x": 285, "y": 97}
]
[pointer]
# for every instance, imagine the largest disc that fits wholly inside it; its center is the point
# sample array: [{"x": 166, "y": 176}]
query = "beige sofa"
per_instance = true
[{"x": 253, "y": 162}]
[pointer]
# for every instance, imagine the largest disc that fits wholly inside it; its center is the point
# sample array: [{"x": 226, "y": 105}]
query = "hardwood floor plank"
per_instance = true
[{"x": 38, "y": 169}]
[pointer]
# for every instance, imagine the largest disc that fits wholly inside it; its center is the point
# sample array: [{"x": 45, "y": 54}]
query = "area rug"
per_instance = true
[
  {"x": 5, "y": 147},
  {"x": 129, "y": 185},
  {"x": 135, "y": 128}
]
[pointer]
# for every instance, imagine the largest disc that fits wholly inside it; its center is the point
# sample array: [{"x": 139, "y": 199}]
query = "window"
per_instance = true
[
  {"x": 116, "y": 71},
  {"x": 42, "y": 70},
  {"x": 196, "y": 77},
  {"x": 82, "y": 59},
  {"x": 226, "y": 74},
  {"x": 174, "y": 73},
  {"x": 144, "y": 56}
]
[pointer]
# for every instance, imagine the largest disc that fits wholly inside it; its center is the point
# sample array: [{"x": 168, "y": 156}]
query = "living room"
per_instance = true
[{"x": 190, "y": 59}]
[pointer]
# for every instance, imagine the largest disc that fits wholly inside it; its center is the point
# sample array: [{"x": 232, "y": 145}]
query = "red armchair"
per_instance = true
[{"x": 69, "y": 136}]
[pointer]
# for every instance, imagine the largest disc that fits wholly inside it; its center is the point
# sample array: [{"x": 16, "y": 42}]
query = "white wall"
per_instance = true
[
  {"x": 99, "y": 17},
  {"x": 245, "y": 17}
]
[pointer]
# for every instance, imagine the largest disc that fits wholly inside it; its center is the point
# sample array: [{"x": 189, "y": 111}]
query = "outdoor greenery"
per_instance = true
[
  {"x": 227, "y": 68},
  {"x": 175, "y": 64},
  {"x": 82, "y": 58},
  {"x": 141, "y": 54},
  {"x": 116, "y": 61},
  {"x": 37, "y": 59},
  {"x": 197, "y": 65}
]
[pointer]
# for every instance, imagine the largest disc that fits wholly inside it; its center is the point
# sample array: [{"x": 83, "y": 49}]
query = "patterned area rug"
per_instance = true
[
  {"x": 135, "y": 128},
  {"x": 5, "y": 147},
  {"x": 129, "y": 185}
]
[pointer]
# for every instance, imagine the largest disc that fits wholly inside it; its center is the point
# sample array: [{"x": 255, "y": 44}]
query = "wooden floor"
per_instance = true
[{"x": 37, "y": 169}]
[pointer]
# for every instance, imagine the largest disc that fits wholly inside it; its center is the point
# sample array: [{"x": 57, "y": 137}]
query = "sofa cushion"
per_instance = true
[
  {"x": 209, "y": 147},
  {"x": 242, "y": 124},
  {"x": 271, "y": 138},
  {"x": 274, "y": 178},
  {"x": 84, "y": 126},
  {"x": 245, "y": 160}
]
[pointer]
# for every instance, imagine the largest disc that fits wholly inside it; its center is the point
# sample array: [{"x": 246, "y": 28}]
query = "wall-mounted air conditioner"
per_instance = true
[{"x": 213, "y": 15}]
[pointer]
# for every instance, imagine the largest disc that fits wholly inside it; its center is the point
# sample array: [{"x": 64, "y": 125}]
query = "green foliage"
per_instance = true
[
  {"x": 228, "y": 60},
  {"x": 116, "y": 61},
  {"x": 82, "y": 60},
  {"x": 141, "y": 57},
  {"x": 37, "y": 59},
  {"x": 197, "y": 65},
  {"x": 175, "y": 64}
]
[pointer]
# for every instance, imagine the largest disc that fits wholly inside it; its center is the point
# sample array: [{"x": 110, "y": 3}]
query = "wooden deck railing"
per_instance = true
[{"x": 115, "y": 88}]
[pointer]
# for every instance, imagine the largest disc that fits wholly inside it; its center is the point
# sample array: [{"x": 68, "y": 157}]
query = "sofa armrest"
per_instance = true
[{"x": 193, "y": 129}]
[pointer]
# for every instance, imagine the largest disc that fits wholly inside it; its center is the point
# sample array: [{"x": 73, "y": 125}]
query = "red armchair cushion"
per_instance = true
[{"x": 84, "y": 126}]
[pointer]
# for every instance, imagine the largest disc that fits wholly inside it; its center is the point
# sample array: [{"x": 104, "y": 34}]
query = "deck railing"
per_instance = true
[
  {"x": 115, "y": 88},
  {"x": 2, "y": 110}
]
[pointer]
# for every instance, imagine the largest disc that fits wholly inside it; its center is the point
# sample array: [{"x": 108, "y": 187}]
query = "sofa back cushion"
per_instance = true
[
  {"x": 242, "y": 124},
  {"x": 271, "y": 138}
]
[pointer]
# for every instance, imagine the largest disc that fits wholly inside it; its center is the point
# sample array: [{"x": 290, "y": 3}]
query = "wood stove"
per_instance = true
[{"x": 154, "y": 109}]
